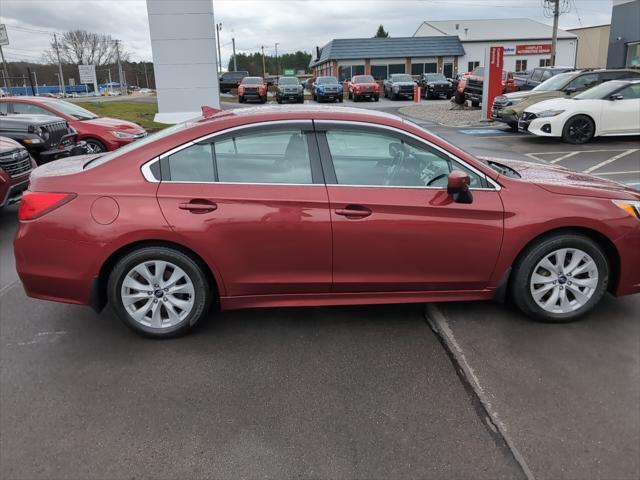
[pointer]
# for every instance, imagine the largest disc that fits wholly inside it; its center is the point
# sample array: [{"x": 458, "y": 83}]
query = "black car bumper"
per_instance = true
[
  {"x": 525, "y": 120},
  {"x": 290, "y": 96},
  {"x": 14, "y": 193},
  {"x": 329, "y": 96},
  {"x": 71, "y": 150},
  {"x": 509, "y": 118}
]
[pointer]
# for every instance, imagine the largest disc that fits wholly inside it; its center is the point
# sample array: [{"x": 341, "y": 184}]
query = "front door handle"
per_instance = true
[
  {"x": 198, "y": 205},
  {"x": 353, "y": 211}
]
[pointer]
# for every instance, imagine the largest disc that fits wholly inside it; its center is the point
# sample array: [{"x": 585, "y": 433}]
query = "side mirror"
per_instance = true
[
  {"x": 458, "y": 187},
  {"x": 616, "y": 96},
  {"x": 569, "y": 91}
]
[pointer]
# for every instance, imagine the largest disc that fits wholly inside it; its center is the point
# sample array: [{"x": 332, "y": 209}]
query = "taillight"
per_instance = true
[{"x": 37, "y": 204}]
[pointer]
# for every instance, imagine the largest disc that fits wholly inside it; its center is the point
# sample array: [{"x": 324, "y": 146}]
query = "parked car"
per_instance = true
[
  {"x": 473, "y": 84},
  {"x": 508, "y": 108},
  {"x": 532, "y": 78},
  {"x": 46, "y": 138},
  {"x": 15, "y": 166},
  {"x": 289, "y": 88},
  {"x": 399, "y": 85},
  {"x": 230, "y": 80},
  {"x": 100, "y": 134},
  {"x": 299, "y": 207},
  {"x": 363, "y": 87},
  {"x": 609, "y": 109},
  {"x": 327, "y": 88},
  {"x": 252, "y": 88},
  {"x": 435, "y": 85}
]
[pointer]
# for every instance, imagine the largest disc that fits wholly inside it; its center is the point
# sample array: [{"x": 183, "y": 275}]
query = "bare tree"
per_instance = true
[{"x": 82, "y": 47}]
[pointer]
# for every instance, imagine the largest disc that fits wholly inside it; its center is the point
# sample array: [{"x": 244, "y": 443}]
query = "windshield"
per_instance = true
[
  {"x": 555, "y": 83},
  {"x": 326, "y": 80},
  {"x": 363, "y": 79},
  {"x": 402, "y": 77},
  {"x": 600, "y": 91},
  {"x": 251, "y": 80},
  {"x": 288, "y": 81},
  {"x": 436, "y": 77},
  {"x": 72, "y": 110},
  {"x": 137, "y": 144}
]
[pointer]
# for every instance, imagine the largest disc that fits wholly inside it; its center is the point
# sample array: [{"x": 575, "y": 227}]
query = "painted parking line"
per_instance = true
[
  {"x": 611, "y": 160},
  {"x": 564, "y": 154}
]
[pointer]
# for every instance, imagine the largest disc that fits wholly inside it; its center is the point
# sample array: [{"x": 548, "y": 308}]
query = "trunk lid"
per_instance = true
[{"x": 51, "y": 175}]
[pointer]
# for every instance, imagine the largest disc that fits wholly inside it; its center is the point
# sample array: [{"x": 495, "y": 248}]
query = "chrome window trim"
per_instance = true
[
  {"x": 496, "y": 185},
  {"x": 146, "y": 167}
]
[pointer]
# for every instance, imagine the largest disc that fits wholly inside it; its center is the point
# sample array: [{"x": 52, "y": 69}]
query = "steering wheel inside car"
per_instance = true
[{"x": 436, "y": 178}]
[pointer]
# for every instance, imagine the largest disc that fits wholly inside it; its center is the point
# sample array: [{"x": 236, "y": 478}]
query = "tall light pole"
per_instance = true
[
  {"x": 120, "y": 73},
  {"x": 60, "y": 77},
  {"x": 218, "y": 29},
  {"x": 264, "y": 70},
  {"x": 554, "y": 38},
  {"x": 277, "y": 62},
  {"x": 235, "y": 63}
]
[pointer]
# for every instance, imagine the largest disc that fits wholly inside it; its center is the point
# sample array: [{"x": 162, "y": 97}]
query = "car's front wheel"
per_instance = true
[
  {"x": 560, "y": 278},
  {"x": 95, "y": 146},
  {"x": 159, "y": 292},
  {"x": 578, "y": 129}
]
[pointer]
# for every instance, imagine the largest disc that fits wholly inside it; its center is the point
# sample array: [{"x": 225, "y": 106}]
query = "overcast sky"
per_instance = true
[{"x": 294, "y": 24}]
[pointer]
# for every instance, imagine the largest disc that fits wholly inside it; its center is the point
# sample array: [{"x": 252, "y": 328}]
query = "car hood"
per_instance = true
[
  {"x": 402, "y": 84},
  {"x": 365, "y": 84},
  {"x": 528, "y": 98},
  {"x": 561, "y": 180},
  {"x": 439, "y": 82},
  {"x": 114, "y": 124},
  {"x": 552, "y": 104},
  {"x": 7, "y": 144}
]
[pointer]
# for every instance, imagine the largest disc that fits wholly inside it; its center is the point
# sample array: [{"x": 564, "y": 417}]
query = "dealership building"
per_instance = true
[
  {"x": 380, "y": 57},
  {"x": 527, "y": 43}
]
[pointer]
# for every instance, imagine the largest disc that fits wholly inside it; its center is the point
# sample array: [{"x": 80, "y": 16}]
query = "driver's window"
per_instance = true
[
  {"x": 583, "y": 82},
  {"x": 378, "y": 159}
]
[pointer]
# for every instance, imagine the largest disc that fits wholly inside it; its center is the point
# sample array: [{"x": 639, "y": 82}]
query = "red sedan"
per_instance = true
[
  {"x": 100, "y": 133},
  {"x": 298, "y": 207}
]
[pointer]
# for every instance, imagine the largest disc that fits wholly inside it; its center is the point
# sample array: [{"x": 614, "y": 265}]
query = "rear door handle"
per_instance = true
[
  {"x": 198, "y": 205},
  {"x": 353, "y": 211}
]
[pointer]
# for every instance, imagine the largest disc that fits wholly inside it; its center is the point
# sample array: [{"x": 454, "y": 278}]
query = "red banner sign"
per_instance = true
[
  {"x": 537, "y": 49},
  {"x": 496, "y": 61}
]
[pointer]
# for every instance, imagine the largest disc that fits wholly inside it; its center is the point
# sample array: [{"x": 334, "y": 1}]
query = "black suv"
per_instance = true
[
  {"x": 535, "y": 77},
  {"x": 231, "y": 80},
  {"x": 46, "y": 138},
  {"x": 434, "y": 85}
]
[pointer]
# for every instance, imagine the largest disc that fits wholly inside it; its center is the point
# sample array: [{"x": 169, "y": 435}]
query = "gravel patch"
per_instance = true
[{"x": 440, "y": 112}]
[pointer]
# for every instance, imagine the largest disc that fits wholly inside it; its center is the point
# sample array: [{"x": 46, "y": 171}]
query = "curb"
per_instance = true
[{"x": 439, "y": 324}]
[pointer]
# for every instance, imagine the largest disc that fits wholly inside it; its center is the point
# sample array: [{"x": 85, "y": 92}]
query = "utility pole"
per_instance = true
[
  {"x": 120, "y": 76},
  {"x": 554, "y": 38},
  {"x": 146, "y": 77},
  {"x": 218, "y": 29},
  {"x": 235, "y": 63},
  {"x": 110, "y": 85},
  {"x": 60, "y": 77},
  {"x": 277, "y": 63},
  {"x": 35, "y": 77},
  {"x": 264, "y": 70}
]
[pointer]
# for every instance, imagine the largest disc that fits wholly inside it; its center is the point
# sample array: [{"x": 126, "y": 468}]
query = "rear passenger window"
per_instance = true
[
  {"x": 192, "y": 164},
  {"x": 279, "y": 156},
  {"x": 546, "y": 75}
]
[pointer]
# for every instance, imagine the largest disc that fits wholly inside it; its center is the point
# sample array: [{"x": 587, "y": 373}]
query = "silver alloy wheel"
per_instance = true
[
  {"x": 157, "y": 294},
  {"x": 564, "y": 280}
]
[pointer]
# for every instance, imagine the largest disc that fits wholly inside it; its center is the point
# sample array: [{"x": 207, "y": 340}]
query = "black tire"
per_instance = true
[
  {"x": 449, "y": 95},
  {"x": 376, "y": 98},
  {"x": 301, "y": 99},
  {"x": 354, "y": 97},
  {"x": 458, "y": 98},
  {"x": 95, "y": 146},
  {"x": 279, "y": 100},
  {"x": 263, "y": 99},
  {"x": 578, "y": 129},
  {"x": 240, "y": 99},
  {"x": 513, "y": 126},
  {"x": 340, "y": 99},
  {"x": 202, "y": 297},
  {"x": 475, "y": 103},
  {"x": 394, "y": 96},
  {"x": 528, "y": 260}
]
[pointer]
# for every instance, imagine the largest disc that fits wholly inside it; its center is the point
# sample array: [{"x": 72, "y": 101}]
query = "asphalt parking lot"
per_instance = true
[{"x": 456, "y": 391}]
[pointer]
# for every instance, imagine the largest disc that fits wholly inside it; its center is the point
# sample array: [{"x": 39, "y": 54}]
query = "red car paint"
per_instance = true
[
  {"x": 362, "y": 86},
  {"x": 508, "y": 82},
  {"x": 98, "y": 128},
  {"x": 12, "y": 185},
  {"x": 293, "y": 245}
]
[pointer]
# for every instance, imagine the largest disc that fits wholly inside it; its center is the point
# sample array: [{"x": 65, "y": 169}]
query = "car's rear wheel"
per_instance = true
[
  {"x": 560, "y": 278},
  {"x": 579, "y": 129},
  {"x": 159, "y": 292},
  {"x": 95, "y": 146}
]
